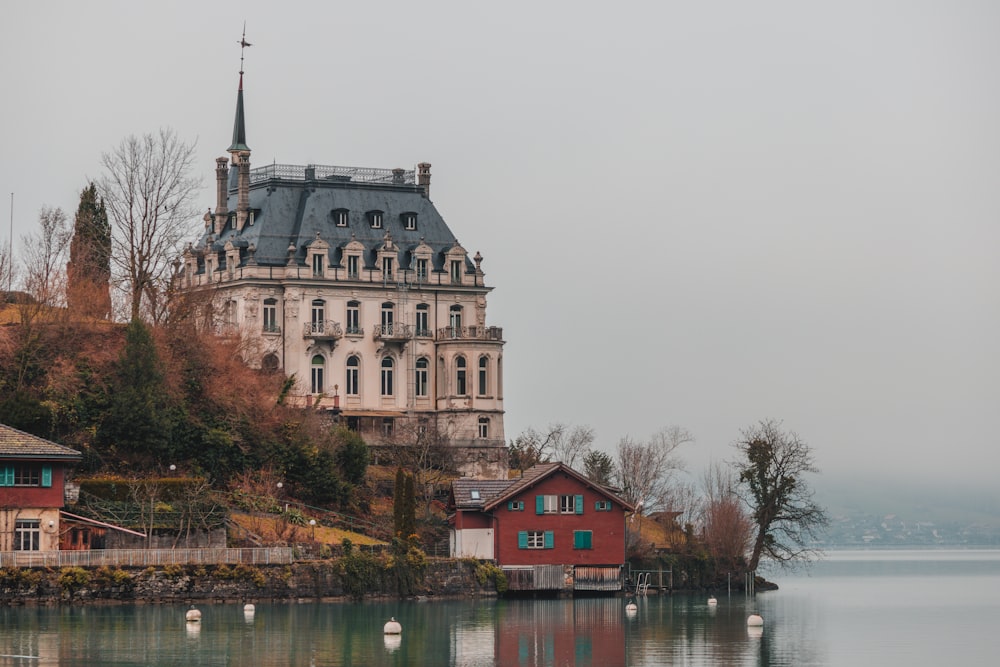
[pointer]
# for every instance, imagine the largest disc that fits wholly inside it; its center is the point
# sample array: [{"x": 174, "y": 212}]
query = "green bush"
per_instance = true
[
  {"x": 487, "y": 572},
  {"x": 72, "y": 579}
]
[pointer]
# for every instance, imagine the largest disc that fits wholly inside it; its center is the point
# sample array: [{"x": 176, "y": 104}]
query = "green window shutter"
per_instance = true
[
  {"x": 46, "y": 475},
  {"x": 510, "y": 506},
  {"x": 539, "y": 504},
  {"x": 522, "y": 539},
  {"x": 582, "y": 539},
  {"x": 520, "y": 505},
  {"x": 550, "y": 539},
  {"x": 7, "y": 476},
  {"x": 579, "y": 504}
]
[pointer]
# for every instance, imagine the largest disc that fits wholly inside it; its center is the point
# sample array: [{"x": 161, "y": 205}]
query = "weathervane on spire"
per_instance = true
[{"x": 243, "y": 45}]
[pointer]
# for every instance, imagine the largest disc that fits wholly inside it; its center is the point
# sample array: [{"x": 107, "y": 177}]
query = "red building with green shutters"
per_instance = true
[
  {"x": 32, "y": 482},
  {"x": 551, "y": 529}
]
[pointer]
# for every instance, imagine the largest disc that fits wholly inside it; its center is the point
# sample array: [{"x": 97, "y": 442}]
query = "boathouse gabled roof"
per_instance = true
[{"x": 534, "y": 475}]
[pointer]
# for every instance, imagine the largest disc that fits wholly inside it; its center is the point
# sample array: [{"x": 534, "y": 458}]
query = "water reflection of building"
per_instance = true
[{"x": 549, "y": 632}]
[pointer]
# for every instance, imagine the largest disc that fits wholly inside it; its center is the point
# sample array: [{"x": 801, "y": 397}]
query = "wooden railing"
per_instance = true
[{"x": 146, "y": 557}]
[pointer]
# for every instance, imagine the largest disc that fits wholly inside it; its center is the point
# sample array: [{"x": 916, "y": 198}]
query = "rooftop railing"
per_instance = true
[{"x": 319, "y": 172}]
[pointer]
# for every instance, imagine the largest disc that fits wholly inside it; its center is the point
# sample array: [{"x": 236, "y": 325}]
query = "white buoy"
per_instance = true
[
  {"x": 249, "y": 607},
  {"x": 631, "y": 606},
  {"x": 392, "y": 627},
  {"x": 192, "y": 615},
  {"x": 755, "y": 620},
  {"x": 712, "y": 601}
]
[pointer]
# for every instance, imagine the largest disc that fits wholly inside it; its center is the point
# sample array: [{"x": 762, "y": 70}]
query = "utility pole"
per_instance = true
[{"x": 10, "y": 248}]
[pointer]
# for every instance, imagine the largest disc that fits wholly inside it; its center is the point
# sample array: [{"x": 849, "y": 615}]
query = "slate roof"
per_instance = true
[
  {"x": 291, "y": 204},
  {"x": 15, "y": 444},
  {"x": 291, "y": 212},
  {"x": 462, "y": 490}
]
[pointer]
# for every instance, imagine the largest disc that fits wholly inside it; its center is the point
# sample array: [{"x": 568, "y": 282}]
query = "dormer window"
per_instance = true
[
  {"x": 375, "y": 219},
  {"x": 456, "y": 271},
  {"x": 387, "y": 268},
  {"x": 340, "y": 217},
  {"x": 409, "y": 221},
  {"x": 421, "y": 270},
  {"x": 353, "y": 267},
  {"x": 317, "y": 265}
]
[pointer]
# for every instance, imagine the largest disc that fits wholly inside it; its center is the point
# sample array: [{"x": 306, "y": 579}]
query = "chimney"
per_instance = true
[
  {"x": 221, "y": 193},
  {"x": 397, "y": 175},
  {"x": 424, "y": 177},
  {"x": 243, "y": 199}
]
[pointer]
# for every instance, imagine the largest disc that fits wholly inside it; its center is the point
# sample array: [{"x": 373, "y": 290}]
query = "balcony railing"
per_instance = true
[
  {"x": 392, "y": 332},
  {"x": 272, "y": 329},
  {"x": 295, "y": 172},
  {"x": 471, "y": 333},
  {"x": 322, "y": 330}
]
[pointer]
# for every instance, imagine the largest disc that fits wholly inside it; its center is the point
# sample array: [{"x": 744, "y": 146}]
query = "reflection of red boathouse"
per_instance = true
[
  {"x": 550, "y": 632},
  {"x": 551, "y": 529}
]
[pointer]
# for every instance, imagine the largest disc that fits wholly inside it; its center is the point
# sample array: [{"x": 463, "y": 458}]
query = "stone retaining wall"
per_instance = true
[{"x": 319, "y": 579}]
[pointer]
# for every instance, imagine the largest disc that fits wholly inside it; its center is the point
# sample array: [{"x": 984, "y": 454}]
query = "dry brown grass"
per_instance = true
[{"x": 273, "y": 529}]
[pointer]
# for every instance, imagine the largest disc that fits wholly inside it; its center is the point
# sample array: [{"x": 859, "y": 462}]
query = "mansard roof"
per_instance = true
[
  {"x": 15, "y": 444},
  {"x": 292, "y": 204}
]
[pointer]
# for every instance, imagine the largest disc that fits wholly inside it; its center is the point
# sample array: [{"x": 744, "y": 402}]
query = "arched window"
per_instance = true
[
  {"x": 354, "y": 317},
  {"x": 271, "y": 316},
  {"x": 269, "y": 363},
  {"x": 483, "y": 385},
  {"x": 388, "y": 315},
  {"x": 318, "y": 316},
  {"x": 484, "y": 427},
  {"x": 387, "y": 376},
  {"x": 423, "y": 327},
  {"x": 420, "y": 377},
  {"x": 352, "y": 382},
  {"x": 318, "y": 366},
  {"x": 460, "y": 376}
]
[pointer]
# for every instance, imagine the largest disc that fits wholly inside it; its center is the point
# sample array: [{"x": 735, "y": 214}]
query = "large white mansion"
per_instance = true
[{"x": 350, "y": 281}]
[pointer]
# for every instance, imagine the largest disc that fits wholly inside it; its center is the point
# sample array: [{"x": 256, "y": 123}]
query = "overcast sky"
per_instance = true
[{"x": 693, "y": 213}]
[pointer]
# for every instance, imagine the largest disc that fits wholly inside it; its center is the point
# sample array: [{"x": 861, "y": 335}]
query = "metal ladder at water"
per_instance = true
[{"x": 642, "y": 583}]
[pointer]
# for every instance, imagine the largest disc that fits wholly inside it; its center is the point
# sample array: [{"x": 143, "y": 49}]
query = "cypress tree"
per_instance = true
[{"x": 88, "y": 274}]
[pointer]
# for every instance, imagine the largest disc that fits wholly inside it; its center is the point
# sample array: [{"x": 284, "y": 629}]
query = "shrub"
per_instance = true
[{"x": 72, "y": 579}]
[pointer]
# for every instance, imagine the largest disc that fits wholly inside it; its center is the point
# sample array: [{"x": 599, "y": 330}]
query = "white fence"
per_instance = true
[{"x": 146, "y": 557}]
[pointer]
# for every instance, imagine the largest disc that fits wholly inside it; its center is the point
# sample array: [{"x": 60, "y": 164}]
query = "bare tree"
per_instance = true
[
  {"x": 772, "y": 471},
  {"x": 45, "y": 258},
  {"x": 560, "y": 442},
  {"x": 725, "y": 526},
  {"x": 149, "y": 197},
  {"x": 423, "y": 450},
  {"x": 647, "y": 470}
]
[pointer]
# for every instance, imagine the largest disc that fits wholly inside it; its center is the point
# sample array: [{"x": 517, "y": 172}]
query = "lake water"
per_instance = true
[{"x": 857, "y": 608}]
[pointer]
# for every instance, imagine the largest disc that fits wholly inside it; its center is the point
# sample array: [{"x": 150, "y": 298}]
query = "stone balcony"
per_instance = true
[
  {"x": 392, "y": 333},
  {"x": 470, "y": 333},
  {"x": 322, "y": 330}
]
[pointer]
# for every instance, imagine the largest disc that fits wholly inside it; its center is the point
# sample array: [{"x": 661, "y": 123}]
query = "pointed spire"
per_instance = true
[{"x": 239, "y": 125}]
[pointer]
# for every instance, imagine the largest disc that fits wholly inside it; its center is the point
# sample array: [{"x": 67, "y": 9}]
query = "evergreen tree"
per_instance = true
[
  {"x": 137, "y": 424},
  {"x": 88, "y": 273}
]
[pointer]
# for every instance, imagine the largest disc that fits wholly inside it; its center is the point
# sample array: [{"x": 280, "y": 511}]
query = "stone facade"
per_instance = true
[{"x": 349, "y": 281}]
